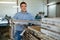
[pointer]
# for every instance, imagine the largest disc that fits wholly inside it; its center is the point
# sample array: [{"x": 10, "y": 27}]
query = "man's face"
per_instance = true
[{"x": 23, "y": 7}]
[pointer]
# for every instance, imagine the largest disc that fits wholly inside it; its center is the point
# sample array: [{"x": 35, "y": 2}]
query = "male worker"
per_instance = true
[{"x": 23, "y": 15}]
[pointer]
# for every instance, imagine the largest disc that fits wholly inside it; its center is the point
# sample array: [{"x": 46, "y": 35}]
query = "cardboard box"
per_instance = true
[{"x": 36, "y": 28}]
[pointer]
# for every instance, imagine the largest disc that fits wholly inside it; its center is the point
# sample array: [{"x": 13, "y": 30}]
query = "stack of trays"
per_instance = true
[
  {"x": 51, "y": 27},
  {"x": 40, "y": 35}
]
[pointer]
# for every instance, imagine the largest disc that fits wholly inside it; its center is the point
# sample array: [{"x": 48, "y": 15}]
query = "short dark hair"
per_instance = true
[{"x": 23, "y": 3}]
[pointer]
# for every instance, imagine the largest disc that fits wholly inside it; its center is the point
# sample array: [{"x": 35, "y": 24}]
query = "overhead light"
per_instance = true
[
  {"x": 7, "y": 2},
  {"x": 52, "y": 3}
]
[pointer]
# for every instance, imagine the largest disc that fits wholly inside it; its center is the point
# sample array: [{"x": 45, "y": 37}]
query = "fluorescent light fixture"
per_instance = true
[
  {"x": 7, "y": 2},
  {"x": 51, "y": 3}
]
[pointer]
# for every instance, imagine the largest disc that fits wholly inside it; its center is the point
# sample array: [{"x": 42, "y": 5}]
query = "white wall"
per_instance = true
[
  {"x": 34, "y": 7},
  {"x": 54, "y": 9},
  {"x": 7, "y": 8}
]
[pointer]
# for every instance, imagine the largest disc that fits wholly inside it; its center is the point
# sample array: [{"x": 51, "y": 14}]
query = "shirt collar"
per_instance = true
[{"x": 24, "y": 12}]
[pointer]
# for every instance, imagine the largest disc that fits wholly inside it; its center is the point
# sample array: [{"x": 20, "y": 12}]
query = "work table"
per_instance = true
[
  {"x": 5, "y": 30},
  {"x": 47, "y": 29}
]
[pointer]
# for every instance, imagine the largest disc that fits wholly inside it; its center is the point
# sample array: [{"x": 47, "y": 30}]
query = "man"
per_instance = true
[{"x": 23, "y": 15}]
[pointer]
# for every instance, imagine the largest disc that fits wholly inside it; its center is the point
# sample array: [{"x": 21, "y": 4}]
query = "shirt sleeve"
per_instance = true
[
  {"x": 15, "y": 16},
  {"x": 32, "y": 18}
]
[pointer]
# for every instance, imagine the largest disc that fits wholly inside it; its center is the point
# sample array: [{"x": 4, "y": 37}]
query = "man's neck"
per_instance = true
[{"x": 23, "y": 11}]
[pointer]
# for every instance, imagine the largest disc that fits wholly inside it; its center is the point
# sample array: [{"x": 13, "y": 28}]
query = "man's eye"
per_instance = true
[
  {"x": 21, "y": 6},
  {"x": 25, "y": 6}
]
